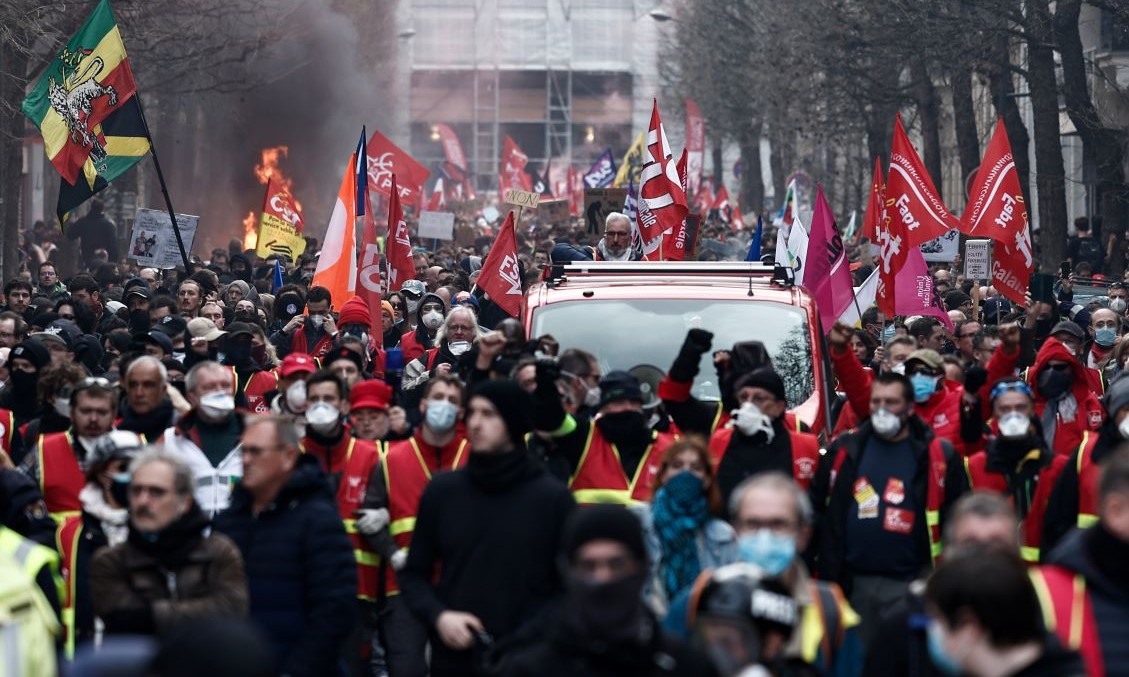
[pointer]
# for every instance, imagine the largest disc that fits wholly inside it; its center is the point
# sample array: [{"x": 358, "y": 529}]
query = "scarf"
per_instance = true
[
  {"x": 495, "y": 473},
  {"x": 151, "y": 425},
  {"x": 678, "y": 512},
  {"x": 114, "y": 521},
  {"x": 172, "y": 546},
  {"x": 602, "y": 250}
]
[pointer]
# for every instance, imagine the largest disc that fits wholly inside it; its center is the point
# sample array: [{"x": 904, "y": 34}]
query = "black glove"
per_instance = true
[
  {"x": 548, "y": 373},
  {"x": 974, "y": 378},
  {"x": 685, "y": 367}
]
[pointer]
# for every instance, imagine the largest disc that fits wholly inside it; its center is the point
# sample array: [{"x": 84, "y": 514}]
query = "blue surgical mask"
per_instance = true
[
  {"x": 1105, "y": 336},
  {"x": 441, "y": 415},
  {"x": 888, "y": 333},
  {"x": 923, "y": 386},
  {"x": 941, "y": 660},
  {"x": 768, "y": 550}
]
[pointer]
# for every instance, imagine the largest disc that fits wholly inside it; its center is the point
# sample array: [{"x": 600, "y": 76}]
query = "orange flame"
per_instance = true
[{"x": 250, "y": 231}]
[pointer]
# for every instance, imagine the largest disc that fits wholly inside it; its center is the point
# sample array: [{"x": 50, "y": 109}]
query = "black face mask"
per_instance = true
[
  {"x": 24, "y": 383},
  {"x": 624, "y": 427},
  {"x": 1053, "y": 383},
  {"x": 238, "y": 354},
  {"x": 120, "y": 491},
  {"x": 139, "y": 321},
  {"x": 245, "y": 316},
  {"x": 1043, "y": 326},
  {"x": 607, "y": 615}
]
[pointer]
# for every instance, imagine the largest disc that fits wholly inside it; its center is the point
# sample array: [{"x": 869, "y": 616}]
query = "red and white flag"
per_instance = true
[
  {"x": 452, "y": 149},
  {"x": 662, "y": 202},
  {"x": 385, "y": 159},
  {"x": 875, "y": 204},
  {"x": 720, "y": 204},
  {"x": 705, "y": 197},
  {"x": 911, "y": 199},
  {"x": 337, "y": 262},
  {"x": 512, "y": 173},
  {"x": 438, "y": 199},
  {"x": 398, "y": 248},
  {"x": 996, "y": 210},
  {"x": 695, "y": 146},
  {"x": 674, "y": 240},
  {"x": 501, "y": 276}
]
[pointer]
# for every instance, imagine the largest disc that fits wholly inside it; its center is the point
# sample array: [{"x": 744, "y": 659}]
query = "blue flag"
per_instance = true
[
  {"x": 602, "y": 173},
  {"x": 755, "y": 244},
  {"x": 277, "y": 283},
  {"x": 362, "y": 172}
]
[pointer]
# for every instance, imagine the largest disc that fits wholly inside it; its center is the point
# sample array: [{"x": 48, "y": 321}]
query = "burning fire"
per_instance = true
[{"x": 266, "y": 171}]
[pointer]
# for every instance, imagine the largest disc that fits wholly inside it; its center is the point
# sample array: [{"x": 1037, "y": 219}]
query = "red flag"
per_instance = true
[
  {"x": 280, "y": 203},
  {"x": 385, "y": 159},
  {"x": 401, "y": 268},
  {"x": 575, "y": 193},
  {"x": 452, "y": 149},
  {"x": 438, "y": 199},
  {"x": 674, "y": 240},
  {"x": 662, "y": 202},
  {"x": 501, "y": 276},
  {"x": 875, "y": 204},
  {"x": 337, "y": 262},
  {"x": 705, "y": 197},
  {"x": 996, "y": 210},
  {"x": 911, "y": 198},
  {"x": 370, "y": 284},
  {"x": 513, "y": 167},
  {"x": 827, "y": 273},
  {"x": 695, "y": 146}
]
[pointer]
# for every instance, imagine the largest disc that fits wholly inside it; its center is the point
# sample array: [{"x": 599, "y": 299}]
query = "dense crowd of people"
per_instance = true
[{"x": 214, "y": 473}]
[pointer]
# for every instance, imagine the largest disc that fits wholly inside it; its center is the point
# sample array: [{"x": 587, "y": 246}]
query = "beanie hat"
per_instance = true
[
  {"x": 514, "y": 405},
  {"x": 370, "y": 394},
  {"x": 355, "y": 311},
  {"x": 955, "y": 299},
  {"x": 1117, "y": 396},
  {"x": 1068, "y": 327},
  {"x": 620, "y": 385},
  {"x": 599, "y": 523},
  {"x": 343, "y": 353},
  {"x": 387, "y": 307},
  {"x": 765, "y": 378},
  {"x": 33, "y": 351}
]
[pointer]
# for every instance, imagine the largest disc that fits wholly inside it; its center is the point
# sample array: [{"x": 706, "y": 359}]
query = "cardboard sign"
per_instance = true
[
  {"x": 600, "y": 202},
  {"x": 555, "y": 211},
  {"x": 153, "y": 243},
  {"x": 942, "y": 249},
  {"x": 977, "y": 259},
  {"x": 277, "y": 236},
  {"x": 437, "y": 225},
  {"x": 522, "y": 198}
]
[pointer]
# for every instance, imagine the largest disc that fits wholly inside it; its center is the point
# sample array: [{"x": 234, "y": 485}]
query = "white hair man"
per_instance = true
[{"x": 616, "y": 243}]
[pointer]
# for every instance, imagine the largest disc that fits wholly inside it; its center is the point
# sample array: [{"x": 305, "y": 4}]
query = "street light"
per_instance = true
[
  {"x": 406, "y": 34},
  {"x": 661, "y": 16}
]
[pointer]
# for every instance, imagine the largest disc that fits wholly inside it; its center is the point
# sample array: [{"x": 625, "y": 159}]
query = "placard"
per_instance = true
[
  {"x": 436, "y": 225},
  {"x": 277, "y": 236},
  {"x": 600, "y": 202},
  {"x": 153, "y": 242},
  {"x": 522, "y": 198},
  {"x": 977, "y": 259},
  {"x": 555, "y": 211},
  {"x": 943, "y": 249}
]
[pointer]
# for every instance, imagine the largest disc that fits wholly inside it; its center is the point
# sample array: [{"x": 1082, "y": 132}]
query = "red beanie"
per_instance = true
[{"x": 355, "y": 311}]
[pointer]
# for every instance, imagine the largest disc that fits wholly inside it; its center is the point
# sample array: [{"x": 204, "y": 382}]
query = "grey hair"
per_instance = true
[
  {"x": 773, "y": 480},
  {"x": 982, "y": 504},
  {"x": 193, "y": 375},
  {"x": 616, "y": 216},
  {"x": 152, "y": 362},
  {"x": 283, "y": 427},
  {"x": 441, "y": 334},
  {"x": 184, "y": 480}
]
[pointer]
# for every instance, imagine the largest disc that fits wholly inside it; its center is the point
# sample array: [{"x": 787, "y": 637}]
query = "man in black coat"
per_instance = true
[
  {"x": 492, "y": 529},
  {"x": 301, "y": 575},
  {"x": 97, "y": 232}
]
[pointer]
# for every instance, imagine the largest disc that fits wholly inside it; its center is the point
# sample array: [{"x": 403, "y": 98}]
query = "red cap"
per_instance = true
[
  {"x": 371, "y": 394},
  {"x": 355, "y": 311},
  {"x": 296, "y": 363}
]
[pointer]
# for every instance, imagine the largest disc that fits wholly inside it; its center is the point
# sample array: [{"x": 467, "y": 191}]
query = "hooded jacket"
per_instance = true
[
  {"x": 413, "y": 344},
  {"x": 1089, "y": 416},
  {"x": 245, "y": 275}
]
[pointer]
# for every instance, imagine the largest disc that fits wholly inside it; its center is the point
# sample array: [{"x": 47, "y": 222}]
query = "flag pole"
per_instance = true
[{"x": 164, "y": 189}]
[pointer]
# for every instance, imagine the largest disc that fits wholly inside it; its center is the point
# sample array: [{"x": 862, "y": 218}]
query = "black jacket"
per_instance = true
[
  {"x": 832, "y": 501},
  {"x": 301, "y": 574},
  {"x": 1062, "y": 507}
]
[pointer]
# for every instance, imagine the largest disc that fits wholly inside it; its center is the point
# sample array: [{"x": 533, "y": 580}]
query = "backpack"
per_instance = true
[
  {"x": 28, "y": 626},
  {"x": 1089, "y": 250}
]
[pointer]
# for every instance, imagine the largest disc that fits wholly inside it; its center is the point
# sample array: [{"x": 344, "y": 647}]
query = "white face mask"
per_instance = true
[
  {"x": 899, "y": 368},
  {"x": 296, "y": 397},
  {"x": 91, "y": 442},
  {"x": 886, "y": 424},
  {"x": 1014, "y": 425},
  {"x": 217, "y": 405},
  {"x": 592, "y": 397},
  {"x": 458, "y": 347},
  {"x": 63, "y": 406},
  {"x": 750, "y": 420},
  {"x": 432, "y": 319},
  {"x": 322, "y": 417},
  {"x": 317, "y": 320},
  {"x": 1118, "y": 305}
]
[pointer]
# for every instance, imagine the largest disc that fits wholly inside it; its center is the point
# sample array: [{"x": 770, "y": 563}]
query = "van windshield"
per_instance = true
[{"x": 624, "y": 334}]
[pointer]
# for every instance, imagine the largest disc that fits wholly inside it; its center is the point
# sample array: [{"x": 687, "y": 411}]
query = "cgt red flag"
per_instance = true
[
  {"x": 996, "y": 210},
  {"x": 370, "y": 282},
  {"x": 501, "y": 276},
  {"x": 674, "y": 240},
  {"x": 876, "y": 204},
  {"x": 662, "y": 202},
  {"x": 513, "y": 173},
  {"x": 386, "y": 159},
  {"x": 401, "y": 268},
  {"x": 911, "y": 198}
]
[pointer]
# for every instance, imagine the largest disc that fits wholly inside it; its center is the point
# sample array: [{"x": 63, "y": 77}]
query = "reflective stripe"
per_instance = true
[
  {"x": 367, "y": 558},
  {"x": 932, "y": 520},
  {"x": 1086, "y": 520},
  {"x": 350, "y": 526},
  {"x": 23, "y": 549},
  {"x": 1045, "y": 600},
  {"x": 616, "y": 496},
  {"x": 1029, "y": 554},
  {"x": 402, "y": 526},
  {"x": 1077, "y": 611},
  {"x": 62, "y": 515}
]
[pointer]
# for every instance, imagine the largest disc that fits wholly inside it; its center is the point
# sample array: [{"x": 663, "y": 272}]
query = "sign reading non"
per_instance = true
[
  {"x": 522, "y": 198},
  {"x": 977, "y": 259},
  {"x": 437, "y": 225},
  {"x": 153, "y": 242}
]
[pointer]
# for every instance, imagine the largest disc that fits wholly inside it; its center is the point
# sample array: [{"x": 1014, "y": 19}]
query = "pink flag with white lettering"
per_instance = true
[
  {"x": 827, "y": 275},
  {"x": 916, "y": 295}
]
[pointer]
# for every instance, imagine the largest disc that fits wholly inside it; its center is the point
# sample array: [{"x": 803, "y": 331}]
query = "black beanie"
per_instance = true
[
  {"x": 620, "y": 385},
  {"x": 514, "y": 405},
  {"x": 33, "y": 351},
  {"x": 603, "y": 522},
  {"x": 762, "y": 378}
]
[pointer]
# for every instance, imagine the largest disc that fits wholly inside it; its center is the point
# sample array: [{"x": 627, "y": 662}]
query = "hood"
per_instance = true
[
  {"x": 1053, "y": 349},
  {"x": 429, "y": 298},
  {"x": 246, "y": 274}
]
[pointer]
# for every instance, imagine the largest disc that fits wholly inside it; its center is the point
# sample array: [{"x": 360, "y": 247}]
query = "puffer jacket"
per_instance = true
[
  {"x": 301, "y": 574},
  {"x": 415, "y": 343}
]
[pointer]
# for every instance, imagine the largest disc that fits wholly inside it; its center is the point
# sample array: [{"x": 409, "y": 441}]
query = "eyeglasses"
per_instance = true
[
  {"x": 923, "y": 370},
  {"x": 1013, "y": 386},
  {"x": 459, "y": 328},
  {"x": 93, "y": 382},
  {"x": 1061, "y": 366},
  {"x": 135, "y": 491},
  {"x": 615, "y": 234}
]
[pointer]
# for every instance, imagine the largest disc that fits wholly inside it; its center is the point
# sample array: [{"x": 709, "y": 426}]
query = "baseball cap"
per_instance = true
[
  {"x": 297, "y": 363},
  {"x": 173, "y": 325},
  {"x": 930, "y": 358},
  {"x": 238, "y": 329},
  {"x": 141, "y": 290},
  {"x": 202, "y": 327},
  {"x": 157, "y": 338},
  {"x": 63, "y": 332},
  {"x": 413, "y": 287},
  {"x": 371, "y": 394}
]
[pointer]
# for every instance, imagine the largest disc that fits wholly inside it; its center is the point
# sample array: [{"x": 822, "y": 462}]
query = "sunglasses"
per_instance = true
[{"x": 1015, "y": 386}]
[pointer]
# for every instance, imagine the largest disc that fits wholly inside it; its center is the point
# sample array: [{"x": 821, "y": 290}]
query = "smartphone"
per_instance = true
[
  {"x": 1065, "y": 270},
  {"x": 1043, "y": 287}
]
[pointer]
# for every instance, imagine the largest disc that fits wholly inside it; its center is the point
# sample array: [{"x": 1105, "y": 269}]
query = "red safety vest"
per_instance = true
[
  {"x": 406, "y": 474},
  {"x": 60, "y": 477},
  {"x": 599, "y": 477},
  {"x": 1088, "y": 475},
  {"x": 1069, "y": 613},
  {"x": 361, "y": 457},
  {"x": 982, "y": 479},
  {"x": 298, "y": 344},
  {"x": 255, "y": 389},
  {"x": 66, "y": 541},
  {"x": 7, "y": 430},
  {"x": 805, "y": 453}
]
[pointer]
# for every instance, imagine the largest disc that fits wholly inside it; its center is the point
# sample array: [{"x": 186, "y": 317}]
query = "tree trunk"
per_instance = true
[
  {"x": 1102, "y": 146},
  {"x": 1049, "y": 169},
  {"x": 718, "y": 165},
  {"x": 13, "y": 65},
  {"x": 752, "y": 184},
  {"x": 964, "y": 120},
  {"x": 1003, "y": 96},
  {"x": 929, "y": 112}
]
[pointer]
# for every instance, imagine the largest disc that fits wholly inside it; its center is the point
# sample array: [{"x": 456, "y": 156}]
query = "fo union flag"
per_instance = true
[{"x": 501, "y": 276}]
